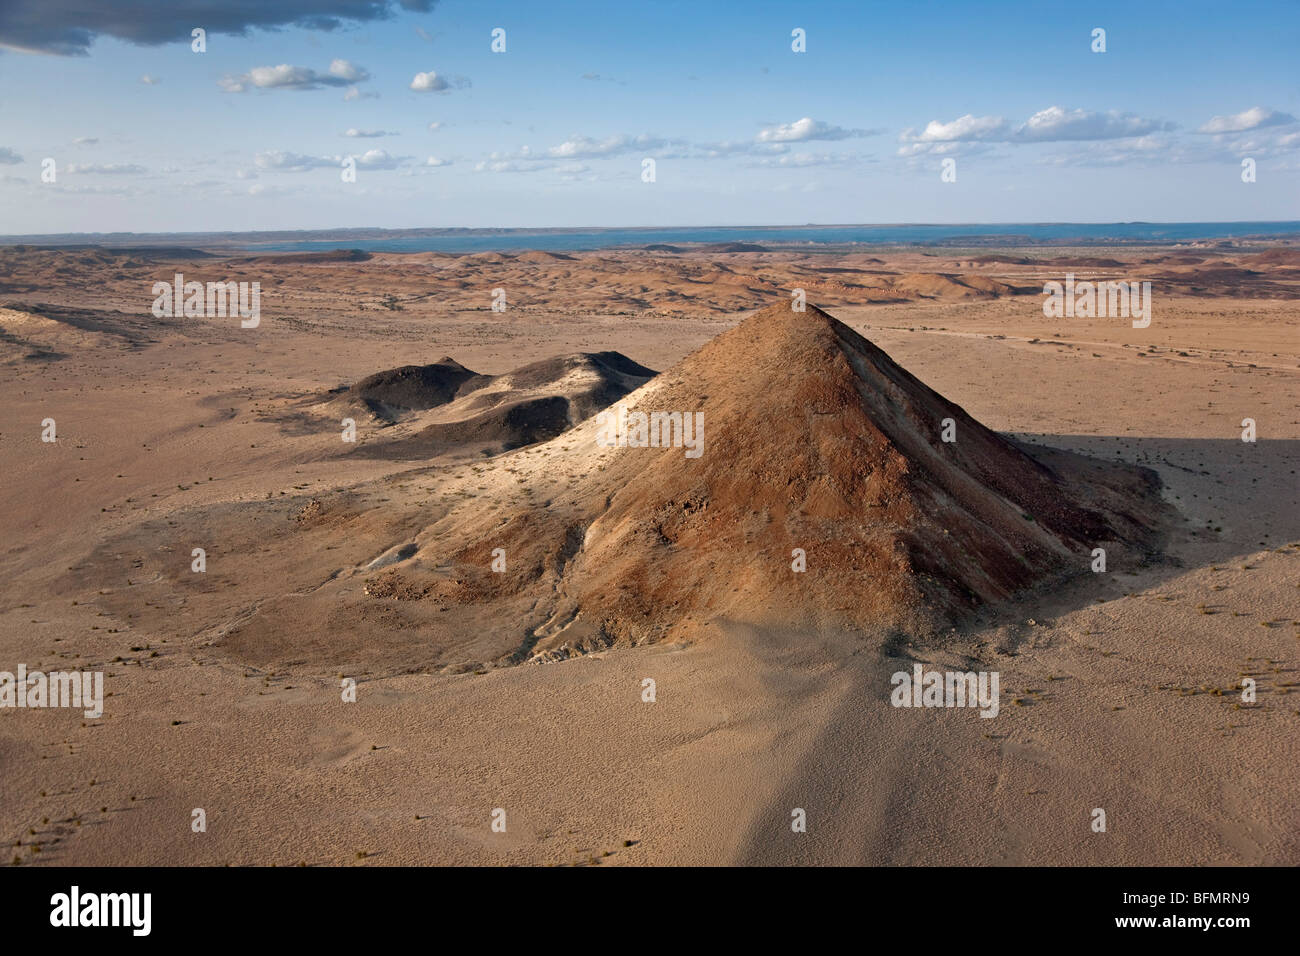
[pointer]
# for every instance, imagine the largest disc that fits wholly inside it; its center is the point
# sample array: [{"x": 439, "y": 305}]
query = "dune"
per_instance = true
[
  {"x": 935, "y": 285},
  {"x": 468, "y": 412},
  {"x": 986, "y": 285},
  {"x": 411, "y": 387},
  {"x": 486, "y": 258},
  {"x": 1086, "y": 262},
  {"x": 540, "y": 256},
  {"x": 1274, "y": 257},
  {"x": 26, "y": 336},
  {"x": 733, "y": 247}
]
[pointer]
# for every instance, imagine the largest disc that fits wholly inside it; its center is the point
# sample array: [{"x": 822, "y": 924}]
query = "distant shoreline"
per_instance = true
[{"x": 807, "y": 238}]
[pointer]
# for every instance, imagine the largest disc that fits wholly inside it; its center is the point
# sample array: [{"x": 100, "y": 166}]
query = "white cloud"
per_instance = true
[
  {"x": 505, "y": 166},
  {"x": 805, "y": 129},
  {"x": 286, "y": 77},
  {"x": 966, "y": 128},
  {"x": 435, "y": 161},
  {"x": 106, "y": 169},
  {"x": 577, "y": 147},
  {"x": 575, "y": 172},
  {"x": 964, "y": 148},
  {"x": 149, "y": 80},
  {"x": 769, "y": 143},
  {"x": 1164, "y": 149},
  {"x": 1254, "y": 118},
  {"x": 523, "y": 160},
  {"x": 348, "y": 71},
  {"x": 730, "y": 146},
  {"x": 286, "y": 162},
  {"x": 1052, "y": 125},
  {"x": 580, "y": 147},
  {"x": 367, "y": 133},
  {"x": 1259, "y": 142},
  {"x": 1153, "y": 149},
  {"x": 433, "y": 82},
  {"x": 85, "y": 141},
  {"x": 291, "y": 162},
  {"x": 8, "y": 157},
  {"x": 379, "y": 159},
  {"x": 1056, "y": 124},
  {"x": 804, "y": 160},
  {"x": 565, "y": 169},
  {"x": 435, "y": 126}
]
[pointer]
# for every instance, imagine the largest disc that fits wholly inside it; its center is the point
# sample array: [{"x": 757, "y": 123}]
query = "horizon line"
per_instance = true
[{"x": 646, "y": 228}]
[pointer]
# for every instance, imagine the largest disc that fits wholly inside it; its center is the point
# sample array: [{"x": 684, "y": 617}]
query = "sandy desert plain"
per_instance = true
[{"x": 523, "y": 690}]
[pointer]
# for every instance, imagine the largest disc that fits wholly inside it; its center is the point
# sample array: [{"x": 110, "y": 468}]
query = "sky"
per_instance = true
[{"x": 147, "y": 135}]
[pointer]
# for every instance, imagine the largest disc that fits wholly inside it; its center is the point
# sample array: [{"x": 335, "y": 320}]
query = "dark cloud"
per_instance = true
[{"x": 69, "y": 27}]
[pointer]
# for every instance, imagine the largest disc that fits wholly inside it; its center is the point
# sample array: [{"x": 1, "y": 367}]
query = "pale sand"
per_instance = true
[{"x": 747, "y": 725}]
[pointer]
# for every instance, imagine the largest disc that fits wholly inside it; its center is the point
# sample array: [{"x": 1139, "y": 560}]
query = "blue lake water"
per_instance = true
[{"x": 559, "y": 240}]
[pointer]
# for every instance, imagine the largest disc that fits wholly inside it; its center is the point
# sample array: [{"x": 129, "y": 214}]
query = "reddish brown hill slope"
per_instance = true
[{"x": 813, "y": 439}]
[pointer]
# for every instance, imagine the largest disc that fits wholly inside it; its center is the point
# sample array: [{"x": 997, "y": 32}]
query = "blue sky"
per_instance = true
[{"x": 147, "y": 135}]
